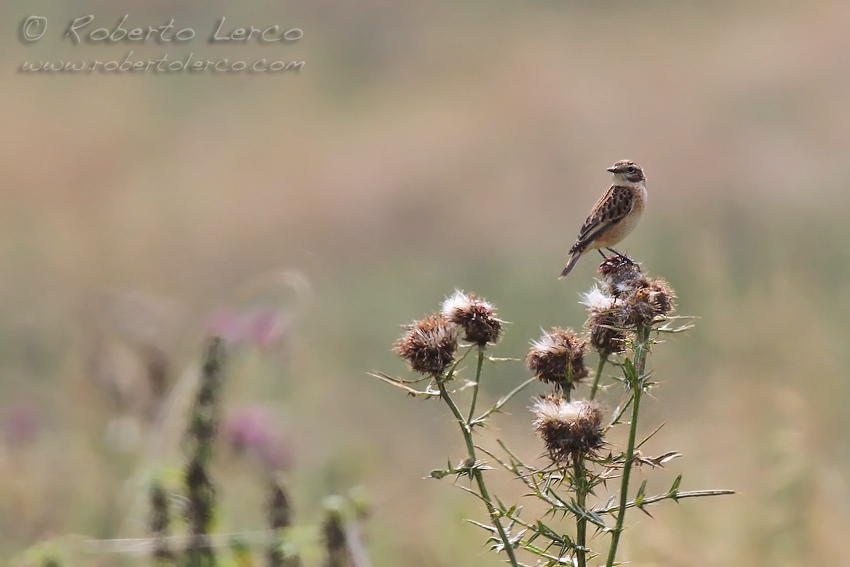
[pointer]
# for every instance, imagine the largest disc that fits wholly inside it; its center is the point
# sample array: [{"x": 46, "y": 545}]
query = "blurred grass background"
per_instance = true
[{"x": 426, "y": 147}]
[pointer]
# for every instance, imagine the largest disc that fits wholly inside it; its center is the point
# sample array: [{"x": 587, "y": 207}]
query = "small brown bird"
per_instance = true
[{"x": 615, "y": 215}]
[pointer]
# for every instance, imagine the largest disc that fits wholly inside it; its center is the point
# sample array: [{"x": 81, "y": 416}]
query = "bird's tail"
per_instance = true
[{"x": 573, "y": 259}]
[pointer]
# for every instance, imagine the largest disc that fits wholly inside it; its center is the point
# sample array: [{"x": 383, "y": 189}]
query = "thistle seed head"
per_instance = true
[
  {"x": 428, "y": 345},
  {"x": 475, "y": 316},
  {"x": 605, "y": 329},
  {"x": 619, "y": 274},
  {"x": 558, "y": 358},
  {"x": 568, "y": 429},
  {"x": 604, "y": 322},
  {"x": 653, "y": 299}
]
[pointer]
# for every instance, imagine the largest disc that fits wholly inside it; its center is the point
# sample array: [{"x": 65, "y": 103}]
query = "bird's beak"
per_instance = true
[{"x": 612, "y": 169}]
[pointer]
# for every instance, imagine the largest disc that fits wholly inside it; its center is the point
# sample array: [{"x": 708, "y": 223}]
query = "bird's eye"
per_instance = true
[{"x": 632, "y": 169}]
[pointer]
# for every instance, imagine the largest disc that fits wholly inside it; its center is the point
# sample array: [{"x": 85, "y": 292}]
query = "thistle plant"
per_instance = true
[
  {"x": 196, "y": 544},
  {"x": 279, "y": 516},
  {"x": 200, "y": 436},
  {"x": 627, "y": 312},
  {"x": 159, "y": 525}
]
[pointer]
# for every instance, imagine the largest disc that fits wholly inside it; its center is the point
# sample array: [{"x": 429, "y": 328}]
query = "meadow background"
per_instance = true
[{"x": 424, "y": 147}]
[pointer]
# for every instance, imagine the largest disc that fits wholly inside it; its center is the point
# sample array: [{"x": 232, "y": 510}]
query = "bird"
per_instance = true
[{"x": 614, "y": 216}]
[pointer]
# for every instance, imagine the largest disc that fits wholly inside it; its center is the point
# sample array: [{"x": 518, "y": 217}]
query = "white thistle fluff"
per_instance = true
[
  {"x": 546, "y": 342},
  {"x": 557, "y": 410},
  {"x": 597, "y": 300},
  {"x": 458, "y": 301},
  {"x": 461, "y": 301}
]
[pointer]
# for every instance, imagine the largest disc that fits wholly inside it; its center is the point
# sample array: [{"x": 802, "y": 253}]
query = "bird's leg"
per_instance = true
[
  {"x": 622, "y": 257},
  {"x": 602, "y": 253}
]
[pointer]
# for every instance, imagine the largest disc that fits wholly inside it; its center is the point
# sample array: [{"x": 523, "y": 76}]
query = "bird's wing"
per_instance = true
[{"x": 614, "y": 205}]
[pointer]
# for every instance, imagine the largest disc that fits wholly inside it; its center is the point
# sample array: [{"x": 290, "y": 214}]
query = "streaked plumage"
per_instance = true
[{"x": 615, "y": 215}]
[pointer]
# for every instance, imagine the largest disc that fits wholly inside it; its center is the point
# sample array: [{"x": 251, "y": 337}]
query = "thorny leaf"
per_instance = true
[
  {"x": 657, "y": 461},
  {"x": 497, "y": 407},
  {"x": 674, "y": 489},
  {"x": 487, "y": 527},
  {"x": 650, "y": 436},
  {"x": 403, "y": 384},
  {"x": 618, "y": 412},
  {"x": 667, "y": 328},
  {"x": 466, "y": 467},
  {"x": 640, "y": 493}
]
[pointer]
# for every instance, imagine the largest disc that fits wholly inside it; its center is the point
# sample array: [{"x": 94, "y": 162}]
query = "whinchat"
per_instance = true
[{"x": 615, "y": 215}]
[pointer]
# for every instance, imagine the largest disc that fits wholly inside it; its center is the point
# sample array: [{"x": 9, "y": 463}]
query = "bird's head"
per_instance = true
[{"x": 626, "y": 171}]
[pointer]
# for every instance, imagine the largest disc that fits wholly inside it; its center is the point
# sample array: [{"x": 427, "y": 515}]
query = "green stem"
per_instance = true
[
  {"x": 581, "y": 521},
  {"x": 476, "y": 383},
  {"x": 636, "y": 384},
  {"x": 599, "y": 367},
  {"x": 567, "y": 388},
  {"x": 476, "y": 473}
]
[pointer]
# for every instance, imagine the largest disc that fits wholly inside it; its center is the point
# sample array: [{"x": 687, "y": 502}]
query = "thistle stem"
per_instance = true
[
  {"x": 466, "y": 429},
  {"x": 581, "y": 499},
  {"x": 476, "y": 383},
  {"x": 599, "y": 367},
  {"x": 636, "y": 384}
]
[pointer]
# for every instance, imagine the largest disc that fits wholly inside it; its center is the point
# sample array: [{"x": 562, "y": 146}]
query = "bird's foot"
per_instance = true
[{"x": 619, "y": 255}]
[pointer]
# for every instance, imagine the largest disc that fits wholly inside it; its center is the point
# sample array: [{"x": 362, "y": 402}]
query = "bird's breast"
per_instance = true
[{"x": 619, "y": 231}]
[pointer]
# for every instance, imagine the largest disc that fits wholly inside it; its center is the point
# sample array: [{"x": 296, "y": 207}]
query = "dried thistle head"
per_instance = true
[
  {"x": 558, "y": 358},
  {"x": 159, "y": 522},
  {"x": 428, "y": 345},
  {"x": 335, "y": 537},
  {"x": 278, "y": 505},
  {"x": 651, "y": 300},
  {"x": 475, "y": 316},
  {"x": 200, "y": 496},
  {"x": 639, "y": 299},
  {"x": 619, "y": 275},
  {"x": 605, "y": 330},
  {"x": 662, "y": 297},
  {"x": 568, "y": 429},
  {"x": 604, "y": 322}
]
